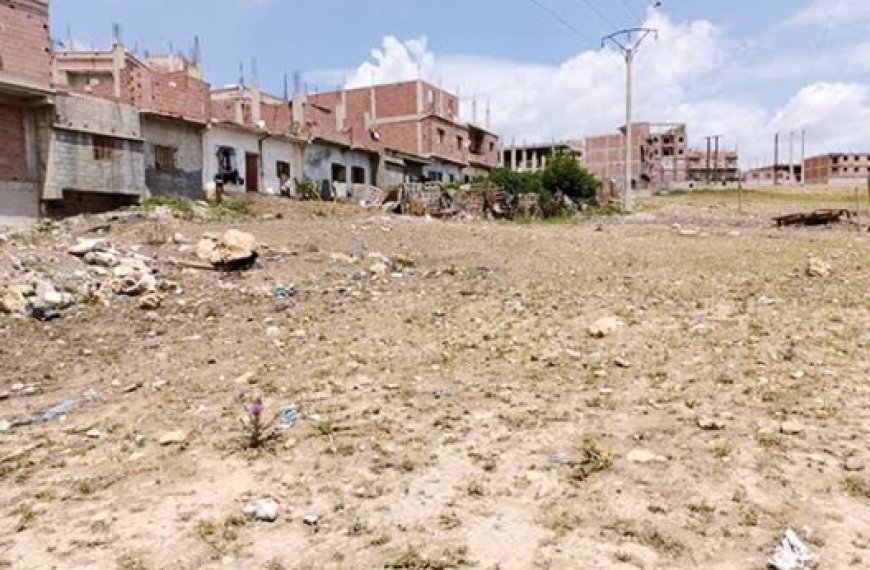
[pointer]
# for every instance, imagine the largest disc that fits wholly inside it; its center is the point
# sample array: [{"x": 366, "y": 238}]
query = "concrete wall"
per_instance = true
[
  {"x": 274, "y": 150},
  {"x": 187, "y": 140},
  {"x": 242, "y": 141},
  {"x": 320, "y": 157},
  {"x": 446, "y": 170},
  {"x": 71, "y": 160},
  {"x": 19, "y": 203}
]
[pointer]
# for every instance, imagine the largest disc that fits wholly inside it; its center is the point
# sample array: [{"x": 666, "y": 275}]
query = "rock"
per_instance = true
[
  {"x": 5, "y": 426},
  {"x": 263, "y": 510},
  {"x": 12, "y": 300},
  {"x": 150, "y": 302},
  {"x": 605, "y": 326},
  {"x": 273, "y": 332},
  {"x": 179, "y": 238},
  {"x": 342, "y": 258},
  {"x": 622, "y": 362},
  {"x": 48, "y": 295},
  {"x": 94, "y": 434},
  {"x": 403, "y": 260},
  {"x": 172, "y": 438},
  {"x": 311, "y": 520},
  {"x": 791, "y": 427},
  {"x": 709, "y": 423},
  {"x": 245, "y": 379},
  {"x": 101, "y": 259},
  {"x": 205, "y": 248},
  {"x": 84, "y": 246},
  {"x": 379, "y": 268},
  {"x": 818, "y": 268},
  {"x": 854, "y": 463},
  {"x": 18, "y": 386},
  {"x": 643, "y": 456},
  {"x": 235, "y": 249}
]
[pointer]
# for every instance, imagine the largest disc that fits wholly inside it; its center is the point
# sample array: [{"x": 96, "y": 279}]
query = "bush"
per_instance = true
[
  {"x": 563, "y": 174},
  {"x": 177, "y": 204},
  {"x": 517, "y": 183}
]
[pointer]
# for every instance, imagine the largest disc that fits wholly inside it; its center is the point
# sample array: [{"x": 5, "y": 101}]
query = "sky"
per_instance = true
[{"x": 744, "y": 69}]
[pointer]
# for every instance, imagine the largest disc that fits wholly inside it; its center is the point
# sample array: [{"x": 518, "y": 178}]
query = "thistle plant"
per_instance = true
[{"x": 258, "y": 430}]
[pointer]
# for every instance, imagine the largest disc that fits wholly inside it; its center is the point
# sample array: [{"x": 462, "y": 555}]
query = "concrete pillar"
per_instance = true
[
  {"x": 543, "y": 161},
  {"x": 256, "y": 101},
  {"x": 513, "y": 157},
  {"x": 118, "y": 57},
  {"x": 31, "y": 145},
  {"x": 524, "y": 159}
]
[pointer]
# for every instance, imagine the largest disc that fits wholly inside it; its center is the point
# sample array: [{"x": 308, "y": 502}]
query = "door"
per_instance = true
[{"x": 252, "y": 172}]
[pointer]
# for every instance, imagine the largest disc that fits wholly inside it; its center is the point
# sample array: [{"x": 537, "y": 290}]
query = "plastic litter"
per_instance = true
[
  {"x": 285, "y": 292},
  {"x": 57, "y": 411},
  {"x": 289, "y": 415},
  {"x": 792, "y": 554}
]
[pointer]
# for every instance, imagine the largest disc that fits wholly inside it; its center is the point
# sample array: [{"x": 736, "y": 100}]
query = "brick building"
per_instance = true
[
  {"x": 416, "y": 129},
  {"x": 786, "y": 175},
  {"x": 534, "y": 158},
  {"x": 659, "y": 155},
  {"x": 25, "y": 68},
  {"x": 172, "y": 101},
  {"x": 839, "y": 168},
  {"x": 712, "y": 166}
]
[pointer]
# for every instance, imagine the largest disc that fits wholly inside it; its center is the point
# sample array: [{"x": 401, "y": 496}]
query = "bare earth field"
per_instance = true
[{"x": 456, "y": 412}]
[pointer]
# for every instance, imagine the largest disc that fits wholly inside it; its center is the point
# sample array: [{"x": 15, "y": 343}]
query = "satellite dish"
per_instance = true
[{"x": 261, "y": 125}]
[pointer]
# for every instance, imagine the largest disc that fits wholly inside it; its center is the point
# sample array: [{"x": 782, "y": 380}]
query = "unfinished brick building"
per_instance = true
[
  {"x": 658, "y": 155},
  {"x": 838, "y": 169},
  {"x": 172, "y": 101},
  {"x": 534, "y": 157},
  {"x": 25, "y": 71},
  {"x": 417, "y": 128}
]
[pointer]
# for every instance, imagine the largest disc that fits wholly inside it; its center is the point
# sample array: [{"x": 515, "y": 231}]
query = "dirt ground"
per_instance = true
[{"x": 455, "y": 411}]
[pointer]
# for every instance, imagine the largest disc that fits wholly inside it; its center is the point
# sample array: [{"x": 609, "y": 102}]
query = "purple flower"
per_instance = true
[{"x": 257, "y": 408}]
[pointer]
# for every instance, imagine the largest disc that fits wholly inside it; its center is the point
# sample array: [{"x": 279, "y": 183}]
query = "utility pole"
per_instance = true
[
  {"x": 803, "y": 157},
  {"x": 630, "y": 44},
  {"x": 708, "y": 162},
  {"x": 791, "y": 156},
  {"x": 776, "y": 159}
]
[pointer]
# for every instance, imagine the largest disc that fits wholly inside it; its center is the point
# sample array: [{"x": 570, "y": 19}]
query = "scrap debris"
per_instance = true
[{"x": 815, "y": 218}]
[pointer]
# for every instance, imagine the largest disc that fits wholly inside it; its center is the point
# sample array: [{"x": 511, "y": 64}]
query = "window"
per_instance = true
[
  {"x": 164, "y": 158},
  {"x": 228, "y": 172},
  {"x": 491, "y": 146},
  {"x": 459, "y": 142},
  {"x": 441, "y": 135},
  {"x": 282, "y": 169},
  {"x": 339, "y": 173},
  {"x": 668, "y": 151},
  {"x": 358, "y": 175},
  {"x": 104, "y": 147}
]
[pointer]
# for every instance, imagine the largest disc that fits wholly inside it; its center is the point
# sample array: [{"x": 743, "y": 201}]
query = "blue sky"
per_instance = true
[{"x": 739, "y": 67}]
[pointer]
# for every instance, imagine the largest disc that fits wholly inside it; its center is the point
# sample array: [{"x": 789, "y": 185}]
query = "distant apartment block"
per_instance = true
[
  {"x": 786, "y": 175},
  {"x": 535, "y": 157},
  {"x": 658, "y": 155},
  {"x": 838, "y": 168},
  {"x": 713, "y": 166}
]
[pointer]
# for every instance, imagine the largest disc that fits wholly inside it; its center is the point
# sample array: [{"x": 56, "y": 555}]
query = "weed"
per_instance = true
[
  {"x": 130, "y": 561},
  {"x": 358, "y": 528},
  {"x": 449, "y": 520},
  {"x": 593, "y": 459},
  {"x": 722, "y": 450},
  {"x": 26, "y": 516},
  {"x": 857, "y": 487},
  {"x": 86, "y": 487},
  {"x": 177, "y": 204},
  {"x": 274, "y": 564}
]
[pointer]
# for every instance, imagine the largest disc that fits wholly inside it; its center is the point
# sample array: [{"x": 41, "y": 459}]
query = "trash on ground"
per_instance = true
[{"x": 792, "y": 553}]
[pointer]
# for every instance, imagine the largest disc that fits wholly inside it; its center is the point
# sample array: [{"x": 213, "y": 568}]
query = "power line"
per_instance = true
[
  {"x": 631, "y": 11},
  {"x": 560, "y": 19},
  {"x": 601, "y": 15}
]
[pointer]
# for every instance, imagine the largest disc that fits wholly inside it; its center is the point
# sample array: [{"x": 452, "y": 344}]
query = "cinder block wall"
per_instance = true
[{"x": 186, "y": 139}]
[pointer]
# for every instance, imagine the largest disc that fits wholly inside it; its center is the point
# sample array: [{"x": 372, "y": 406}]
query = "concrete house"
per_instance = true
[
  {"x": 416, "y": 129},
  {"x": 25, "y": 101},
  {"x": 172, "y": 100},
  {"x": 254, "y": 141}
]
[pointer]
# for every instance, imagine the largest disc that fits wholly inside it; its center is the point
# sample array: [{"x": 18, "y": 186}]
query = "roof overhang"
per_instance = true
[{"x": 17, "y": 87}]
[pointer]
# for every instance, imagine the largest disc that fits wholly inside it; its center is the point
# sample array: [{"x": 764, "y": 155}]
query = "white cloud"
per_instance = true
[
  {"x": 691, "y": 74},
  {"x": 831, "y": 12}
]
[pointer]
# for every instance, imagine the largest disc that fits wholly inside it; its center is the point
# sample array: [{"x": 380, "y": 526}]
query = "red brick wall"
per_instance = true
[
  {"x": 818, "y": 170},
  {"x": 12, "y": 153},
  {"x": 24, "y": 43},
  {"x": 175, "y": 94}
]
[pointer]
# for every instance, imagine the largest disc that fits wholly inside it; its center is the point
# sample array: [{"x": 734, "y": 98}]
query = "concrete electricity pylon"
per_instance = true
[{"x": 631, "y": 40}]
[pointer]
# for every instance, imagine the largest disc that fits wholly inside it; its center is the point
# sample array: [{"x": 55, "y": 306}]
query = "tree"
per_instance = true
[{"x": 563, "y": 174}]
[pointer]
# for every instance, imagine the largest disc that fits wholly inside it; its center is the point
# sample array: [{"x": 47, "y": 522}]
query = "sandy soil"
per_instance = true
[{"x": 455, "y": 413}]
